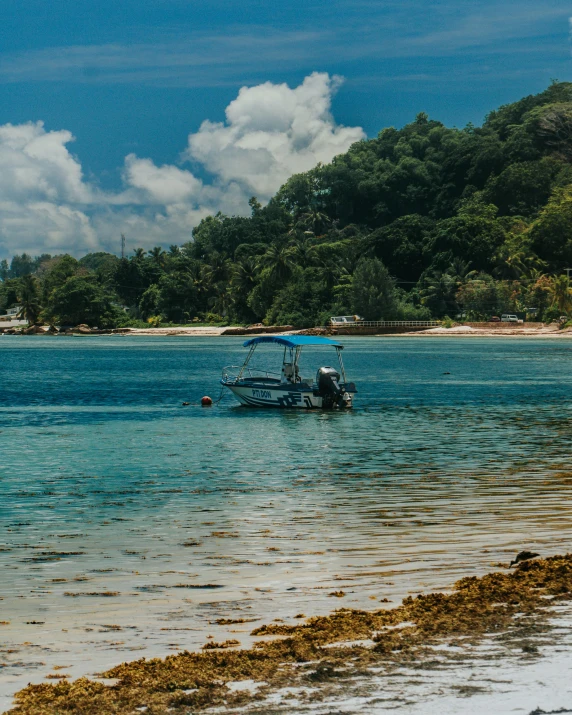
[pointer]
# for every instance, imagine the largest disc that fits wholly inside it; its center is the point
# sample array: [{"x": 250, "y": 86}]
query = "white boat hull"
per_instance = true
[{"x": 275, "y": 397}]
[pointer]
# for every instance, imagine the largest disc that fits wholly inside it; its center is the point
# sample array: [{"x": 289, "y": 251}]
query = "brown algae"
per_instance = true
[{"x": 323, "y": 651}]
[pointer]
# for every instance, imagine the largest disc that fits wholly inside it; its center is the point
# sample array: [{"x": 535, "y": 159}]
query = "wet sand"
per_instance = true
[{"x": 503, "y": 640}]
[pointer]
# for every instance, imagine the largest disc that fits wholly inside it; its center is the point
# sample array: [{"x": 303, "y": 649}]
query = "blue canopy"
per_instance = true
[{"x": 292, "y": 341}]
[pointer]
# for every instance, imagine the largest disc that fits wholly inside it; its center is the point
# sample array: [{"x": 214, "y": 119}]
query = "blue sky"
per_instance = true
[{"x": 137, "y": 77}]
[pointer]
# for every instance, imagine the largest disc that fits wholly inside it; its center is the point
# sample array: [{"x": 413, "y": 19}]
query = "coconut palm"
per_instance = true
[
  {"x": 439, "y": 293},
  {"x": 561, "y": 294},
  {"x": 222, "y": 300},
  {"x": 139, "y": 254},
  {"x": 28, "y": 299},
  {"x": 279, "y": 261},
  {"x": 314, "y": 220},
  {"x": 302, "y": 245},
  {"x": 157, "y": 255},
  {"x": 460, "y": 270},
  {"x": 217, "y": 268},
  {"x": 516, "y": 262},
  {"x": 331, "y": 268},
  {"x": 244, "y": 274}
]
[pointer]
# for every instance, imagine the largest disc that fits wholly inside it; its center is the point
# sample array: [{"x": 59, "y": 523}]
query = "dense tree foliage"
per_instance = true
[{"x": 420, "y": 221}]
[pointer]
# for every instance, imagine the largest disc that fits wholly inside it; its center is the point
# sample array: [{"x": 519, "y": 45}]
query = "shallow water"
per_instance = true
[{"x": 129, "y": 524}]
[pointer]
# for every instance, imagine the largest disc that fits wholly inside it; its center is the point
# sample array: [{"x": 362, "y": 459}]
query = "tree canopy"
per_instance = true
[{"x": 421, "y": 221}]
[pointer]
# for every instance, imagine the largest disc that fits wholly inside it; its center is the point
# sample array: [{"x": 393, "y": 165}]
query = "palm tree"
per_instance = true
[
  {"x": 222, "y": 300},
  {"x": 331, "y": 268},
  {"x": 139, "y": 254},
  {"x": 202, "y": 288},
  {"x": 302, "y": 245},
  {"x": 561, "y": 293},
  {"x": 278, "y": 260},
  {"x": 460, "y": 270},
  {"x": 314, "y": 220},
  {"x": 157, "y": 255},
  {"x": 439, "y": 293},
  {"x": 174, "y": 250},
  {"x": 244, "y": 275},
  {"x": 516, "y": 263},
  {"x": 217, "y": 268},
  {"x": 28, "y": 298}
]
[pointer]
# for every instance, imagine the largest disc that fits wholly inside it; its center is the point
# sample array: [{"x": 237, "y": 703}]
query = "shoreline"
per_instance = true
[
  {"x": 542, "y": 331},
  {"x": 504, "y": 621}
]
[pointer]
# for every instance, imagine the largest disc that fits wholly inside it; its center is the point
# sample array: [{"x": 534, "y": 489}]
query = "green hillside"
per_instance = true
[{"x": 423, "y": 221}]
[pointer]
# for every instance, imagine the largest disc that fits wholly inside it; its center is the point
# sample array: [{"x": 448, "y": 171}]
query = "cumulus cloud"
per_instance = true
[
  {"x": 41, "y": 187},
  {"x": 36, "y": 164},
  {"x": 162, "y": 184},
  {"x": 271, "y": 132}
]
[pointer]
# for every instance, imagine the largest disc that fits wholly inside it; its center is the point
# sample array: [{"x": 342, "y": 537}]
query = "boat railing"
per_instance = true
[{"x": 230, "y": 373}]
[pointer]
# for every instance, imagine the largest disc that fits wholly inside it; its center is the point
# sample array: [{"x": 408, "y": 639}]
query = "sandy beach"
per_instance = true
[
  {"x": 466, "y": 330},
  {"x": 478, "y": 330},
  {"x": 530, "y": 330},
  {"x": 201, "y": 332}
]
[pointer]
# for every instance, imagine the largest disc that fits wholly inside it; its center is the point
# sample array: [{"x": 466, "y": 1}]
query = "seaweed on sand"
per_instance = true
[
  {"x": 229, "y": 643},
  {"x": 320, "y": 652}
]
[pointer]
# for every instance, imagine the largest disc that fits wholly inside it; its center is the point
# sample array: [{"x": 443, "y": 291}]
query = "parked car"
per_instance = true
[
  {"x": 494, "y": 319},
  {"x": 509, "y": 318},
  {"x": 343, "y": 319}
]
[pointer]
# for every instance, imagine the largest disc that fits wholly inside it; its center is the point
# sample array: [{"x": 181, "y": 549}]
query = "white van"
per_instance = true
[{"x": 507, "y": 318}]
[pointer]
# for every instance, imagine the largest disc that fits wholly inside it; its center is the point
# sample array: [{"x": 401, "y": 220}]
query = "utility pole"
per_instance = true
[{"x": 122, "y": 245}]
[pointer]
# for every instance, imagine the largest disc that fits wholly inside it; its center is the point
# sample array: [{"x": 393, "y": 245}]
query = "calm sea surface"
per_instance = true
[{"x": 130, "y": 524}]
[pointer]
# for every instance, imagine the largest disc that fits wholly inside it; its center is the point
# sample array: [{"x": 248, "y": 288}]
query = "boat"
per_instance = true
[{"x": 256, "y": 387}]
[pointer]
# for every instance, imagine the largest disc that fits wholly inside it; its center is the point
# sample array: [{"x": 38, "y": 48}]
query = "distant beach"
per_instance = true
[{"x": 476, "y": 330}]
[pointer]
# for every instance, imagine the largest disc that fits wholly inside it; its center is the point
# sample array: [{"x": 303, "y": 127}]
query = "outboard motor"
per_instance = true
[{"x": 328, "y": 381}]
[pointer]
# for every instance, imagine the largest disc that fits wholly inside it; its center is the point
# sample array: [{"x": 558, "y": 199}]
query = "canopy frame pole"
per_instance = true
[
  {"x": 296, "y": 360},
  {"x": 243, "y": 368},
  {"x": 342, "y": 369}
]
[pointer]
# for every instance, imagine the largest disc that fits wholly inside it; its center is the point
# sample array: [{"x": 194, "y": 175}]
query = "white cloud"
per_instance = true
[
  {"x": 271, "y": 132},
  {"x": 35, "y": 164},
  {"x": 41, "y": 186},
  {"x": 161, "y": 184}
]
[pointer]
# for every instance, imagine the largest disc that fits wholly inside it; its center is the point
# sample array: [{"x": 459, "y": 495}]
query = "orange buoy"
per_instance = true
[{"x": 206, "y": 401}]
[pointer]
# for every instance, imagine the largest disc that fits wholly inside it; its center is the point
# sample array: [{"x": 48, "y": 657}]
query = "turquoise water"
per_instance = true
[{"x": 130, "y": 524}]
